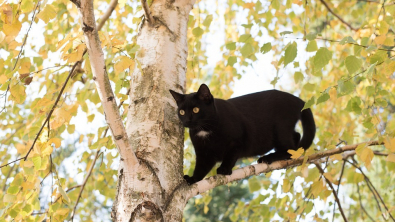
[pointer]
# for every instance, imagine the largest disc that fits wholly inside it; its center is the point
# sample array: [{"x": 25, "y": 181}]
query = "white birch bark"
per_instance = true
[{"x": 152, "y": 124}]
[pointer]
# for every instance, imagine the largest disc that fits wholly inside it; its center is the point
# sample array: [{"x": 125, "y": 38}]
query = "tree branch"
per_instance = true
[
  {"x": 147, "y": 12},
  {"x": 104, "y": 89},
  {"x": 333, "y": 191},
  {"x": 337, "y": 16},
  {"x": 256, "y": 169}
]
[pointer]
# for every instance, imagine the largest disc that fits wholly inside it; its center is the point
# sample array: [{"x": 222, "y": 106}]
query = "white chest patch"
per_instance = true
[{"x": 203, "y": 134}]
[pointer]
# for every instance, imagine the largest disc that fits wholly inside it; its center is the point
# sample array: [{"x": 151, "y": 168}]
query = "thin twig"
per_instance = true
[
  {"x": 147, "y": 12},
  {"x": 337, "y": 16},
  {"x": 84, "y": 183},
  {"x": 360, "y": 203},
  {"x": 333, "y": 191},
  {"x": 372, "y": 189},
  {"x": 338, "y": 187},
  {"x": 8, "y": 176},
  {"x": 27, "y": 33}
]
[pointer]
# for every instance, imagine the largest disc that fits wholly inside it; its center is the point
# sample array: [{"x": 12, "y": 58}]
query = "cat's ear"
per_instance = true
[
  {"x": 204, "y": 93},
  {"x": 177, "y": 96}
]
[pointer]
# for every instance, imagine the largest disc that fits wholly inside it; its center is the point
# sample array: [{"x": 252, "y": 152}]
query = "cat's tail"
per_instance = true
[{"x": 308, "y": 126}]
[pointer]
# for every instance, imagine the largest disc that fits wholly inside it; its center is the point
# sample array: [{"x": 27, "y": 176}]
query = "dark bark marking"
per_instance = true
[
  {"x": 86, "y": 28},
  {"x": 115, "y": 205},
  {"x": 140, "y": 100},
  {"x": 110, "y": 98},
  {"x": 118, "y": 137},
  {"x": 148, "y": 211},
  {"x": 77, "y": 3},
  {"x": 94, "y": 78}
]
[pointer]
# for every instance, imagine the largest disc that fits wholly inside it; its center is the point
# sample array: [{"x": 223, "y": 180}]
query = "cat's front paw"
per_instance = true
[
  {"x": 190, "y": 180},
  {"x": 265, "y": 159},
  {"x": 223, "y": 171}
]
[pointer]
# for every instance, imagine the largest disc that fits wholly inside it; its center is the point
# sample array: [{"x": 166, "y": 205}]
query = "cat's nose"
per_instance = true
[{"x": 187, "y": 123}]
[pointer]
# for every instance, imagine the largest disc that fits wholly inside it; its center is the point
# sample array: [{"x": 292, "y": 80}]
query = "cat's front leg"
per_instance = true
[
  {"x": 227, "y": 164},
  {"x": 204, "y": 163}
]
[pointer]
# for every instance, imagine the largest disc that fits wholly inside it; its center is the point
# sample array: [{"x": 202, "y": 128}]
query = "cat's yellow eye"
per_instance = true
[
  {"x": 195, "y": 110},
  {"x": 182, "y": 112}
]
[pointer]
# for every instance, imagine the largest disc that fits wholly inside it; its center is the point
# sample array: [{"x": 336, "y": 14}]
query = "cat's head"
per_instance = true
[{"x": 196, "y": 110}]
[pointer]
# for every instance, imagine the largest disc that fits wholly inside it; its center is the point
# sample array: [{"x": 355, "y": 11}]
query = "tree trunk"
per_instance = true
[{"x": 148, "y": 192}]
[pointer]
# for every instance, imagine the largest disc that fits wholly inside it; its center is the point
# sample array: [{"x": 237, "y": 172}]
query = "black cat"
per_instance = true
[{"x": 245, "y": 126}]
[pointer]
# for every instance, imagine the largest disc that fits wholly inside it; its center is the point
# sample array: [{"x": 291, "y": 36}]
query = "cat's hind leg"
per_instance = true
[{"x": 281, "y": 148}]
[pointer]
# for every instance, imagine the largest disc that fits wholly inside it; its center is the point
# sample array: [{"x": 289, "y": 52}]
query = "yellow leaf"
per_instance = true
[
  {"x": 47, "y": 14},
  {"x": 62, "y": 211},
  {"x": 18, "y": 93},
  {"x": 391, "y": 157},
  {"x": 21, "y": 148},
  {"x": 380, "y": 39},
  {"x": 296, "y": 154},
  {"x": 367, "y": 156},
  {"x": 122, "y": 3},
  {"x": 390, "y": 144},
  {"x": 205, "y": 209},
  {"x": 3, "y": 79},
  {"x": 81, "y": 138},
  {"x": 286, "y": 185},
  {"x": 12, "y": 29},
  {"x": 25, "y": 66},
  {"x": 359, "y": 148},
  {"x": 122, "y": 64},
  {"x": 2, "y": 36},
  {"x": 56, "y": 141},
  {"x": 47, "y": 150}
]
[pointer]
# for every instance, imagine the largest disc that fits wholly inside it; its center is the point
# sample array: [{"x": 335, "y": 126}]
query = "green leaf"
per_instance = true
[
  {"x": 64, "y": 195},
  {"x": 323, "y": 98},
  {"x": 231, "y": 45},
  {"x": 322, "y": 58},
  {"x": 285, "y": 33},
  {"x": 276, "y": 4},
  {"x": 298, "y": 77},
  {"x": 8, "y": 198},
  {"x": 347, "y": 39},
  {"x": 309, "y": 103},
  {"x": 353, "y": 64},
  {"x": 369, "y": 71},
  {"x": 311, "y": 36},
  {"x": 244, "y": 37},
  {"x": 378, "y": 57},
  {"x": 13, "y": 190},
  {"x": 197, "y": 32},
  {"x": 207, "y": 21},
  {"x": 309, "y": 87},
  {"x": 344, "y": 88},
  {"x": 312, "y": 46},
  {"x": 247, "y": 26},
  {"x": 247, "y": 50},
  {"x": 274, "y": 81},
  {"x": 290, "y": 53},
  {"x": 37, "y": 162},
  {"x": 253, "y": 184},
  {"x": 232, "y": 60},
  {"x": 266, "y": 48}
]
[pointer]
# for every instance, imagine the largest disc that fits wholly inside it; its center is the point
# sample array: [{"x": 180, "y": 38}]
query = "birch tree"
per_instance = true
[{"x": 112, "y": 63}]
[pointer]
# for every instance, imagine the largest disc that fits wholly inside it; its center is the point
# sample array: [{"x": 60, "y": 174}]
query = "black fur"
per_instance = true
[{"x": 244, "y": 126}]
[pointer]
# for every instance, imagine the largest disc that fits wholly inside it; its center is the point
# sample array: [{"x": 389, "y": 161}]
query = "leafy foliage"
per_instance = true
[{"x": 343, "y": 68}]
